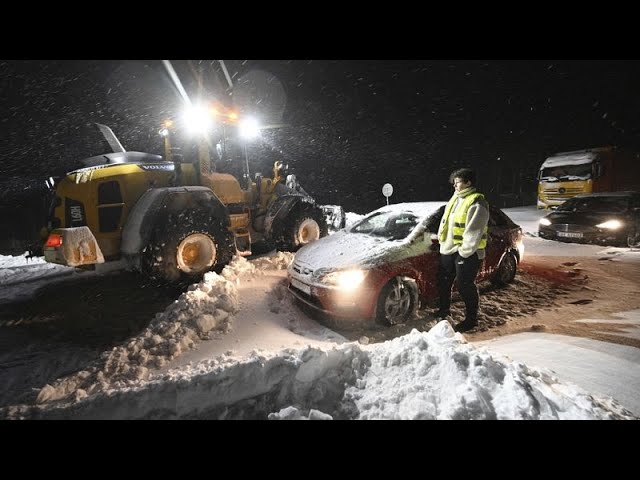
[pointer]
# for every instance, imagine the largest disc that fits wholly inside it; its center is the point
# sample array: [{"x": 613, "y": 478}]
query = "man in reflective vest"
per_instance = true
[{"x": 463, "y": 238}]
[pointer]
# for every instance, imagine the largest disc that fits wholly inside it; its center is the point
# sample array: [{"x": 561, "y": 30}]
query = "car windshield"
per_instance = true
[
  {"x": 595, "y": 205},
  {"x": 390, "y": 225}
]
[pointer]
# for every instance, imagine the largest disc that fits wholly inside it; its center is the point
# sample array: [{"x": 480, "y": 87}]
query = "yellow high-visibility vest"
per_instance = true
[{"x": 460, "y": 219}]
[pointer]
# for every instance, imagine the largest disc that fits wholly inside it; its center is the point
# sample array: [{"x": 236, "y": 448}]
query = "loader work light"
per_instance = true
[
  {"x": 197, "y": 120},
  {"x": 249, "y": 128}
]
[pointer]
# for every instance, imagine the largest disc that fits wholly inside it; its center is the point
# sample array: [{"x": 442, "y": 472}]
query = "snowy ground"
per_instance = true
[{"x": 235, "y": 346}]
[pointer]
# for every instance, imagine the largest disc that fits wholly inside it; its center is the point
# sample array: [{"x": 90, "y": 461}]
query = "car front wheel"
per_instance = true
[
  {"x": 397, "y": 301},
  {"x": 506, "y": 271}
]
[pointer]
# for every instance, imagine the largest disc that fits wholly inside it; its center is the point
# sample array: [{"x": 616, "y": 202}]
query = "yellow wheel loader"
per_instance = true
[{"x": 170, "y": 219}]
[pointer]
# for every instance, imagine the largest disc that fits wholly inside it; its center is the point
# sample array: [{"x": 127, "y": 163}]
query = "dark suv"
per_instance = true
[{"x": 608, "y": 218}]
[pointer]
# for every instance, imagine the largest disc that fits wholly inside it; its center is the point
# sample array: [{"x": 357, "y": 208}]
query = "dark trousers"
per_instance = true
[{"x": 464, "y": 271}]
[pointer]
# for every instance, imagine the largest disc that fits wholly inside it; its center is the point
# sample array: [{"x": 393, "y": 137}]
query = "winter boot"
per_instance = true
[{"x": 466, "y": 326}]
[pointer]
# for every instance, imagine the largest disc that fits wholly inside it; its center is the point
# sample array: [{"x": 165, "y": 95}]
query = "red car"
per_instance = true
[{"x": 383, "y": 266}]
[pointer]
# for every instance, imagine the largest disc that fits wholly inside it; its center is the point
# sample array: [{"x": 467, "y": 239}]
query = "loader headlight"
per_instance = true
[{"x": 610, "y": 225}]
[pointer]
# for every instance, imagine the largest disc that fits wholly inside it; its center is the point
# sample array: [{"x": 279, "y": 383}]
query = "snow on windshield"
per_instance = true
[
  {"x": 387, "y": 224},
  {"x": 570, "y": 167},
  {"x": 566, "y": 172},
  {"x": 397, "y": 221}
]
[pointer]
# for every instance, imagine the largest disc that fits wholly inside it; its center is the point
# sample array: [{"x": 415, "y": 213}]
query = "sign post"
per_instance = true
[{"x": 387, "y": 191}]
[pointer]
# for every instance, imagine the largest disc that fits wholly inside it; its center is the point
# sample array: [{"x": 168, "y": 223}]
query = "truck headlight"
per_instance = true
[{"x": 610, "y": 225}]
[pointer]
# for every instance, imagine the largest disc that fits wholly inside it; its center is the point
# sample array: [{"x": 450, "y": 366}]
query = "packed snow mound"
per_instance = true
[
  {"x": 10, "y": 261},
  {"x": 242, "y": 269},
  {"x": 437, "y": 375},
  {"x": 292, "y": 413},
  {"x": 21, "y": 276},
  {"x": 206, "y": 309},
  {"x": 17, "y": 269},
  {"x": 434, "y": 375}
]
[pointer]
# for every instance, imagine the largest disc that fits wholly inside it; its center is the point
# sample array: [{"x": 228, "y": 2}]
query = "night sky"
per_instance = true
[{"x": 346, "y": 127}]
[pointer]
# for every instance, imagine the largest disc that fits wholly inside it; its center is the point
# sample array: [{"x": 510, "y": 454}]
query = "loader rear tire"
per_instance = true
[{"x": 187, "y": 247}]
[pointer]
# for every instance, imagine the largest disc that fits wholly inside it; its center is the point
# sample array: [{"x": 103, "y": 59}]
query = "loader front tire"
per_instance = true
[{"x": 300, "y": 228}]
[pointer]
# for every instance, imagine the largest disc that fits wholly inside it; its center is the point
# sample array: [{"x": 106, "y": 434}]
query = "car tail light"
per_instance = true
[{"x": 54, "y": 241}]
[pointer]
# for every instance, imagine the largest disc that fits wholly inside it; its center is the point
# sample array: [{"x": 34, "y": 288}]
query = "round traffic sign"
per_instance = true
[{"x": 387, "y": 190}]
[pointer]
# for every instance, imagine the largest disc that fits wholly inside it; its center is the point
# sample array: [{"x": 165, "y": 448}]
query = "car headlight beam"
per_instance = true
[
  {"x": 610, "y": 225},
  {"x": 345, "y": 279},
  {"x": 520, "y": 246}
]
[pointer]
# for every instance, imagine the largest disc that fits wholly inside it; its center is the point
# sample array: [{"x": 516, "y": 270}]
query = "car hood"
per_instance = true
[
  {"x": 344, "y": 249},
  {"x": 582, "y": 218}
]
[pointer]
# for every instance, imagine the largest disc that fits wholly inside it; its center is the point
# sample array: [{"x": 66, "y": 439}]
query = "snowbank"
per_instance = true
[{"x": 434, "y": 375}]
